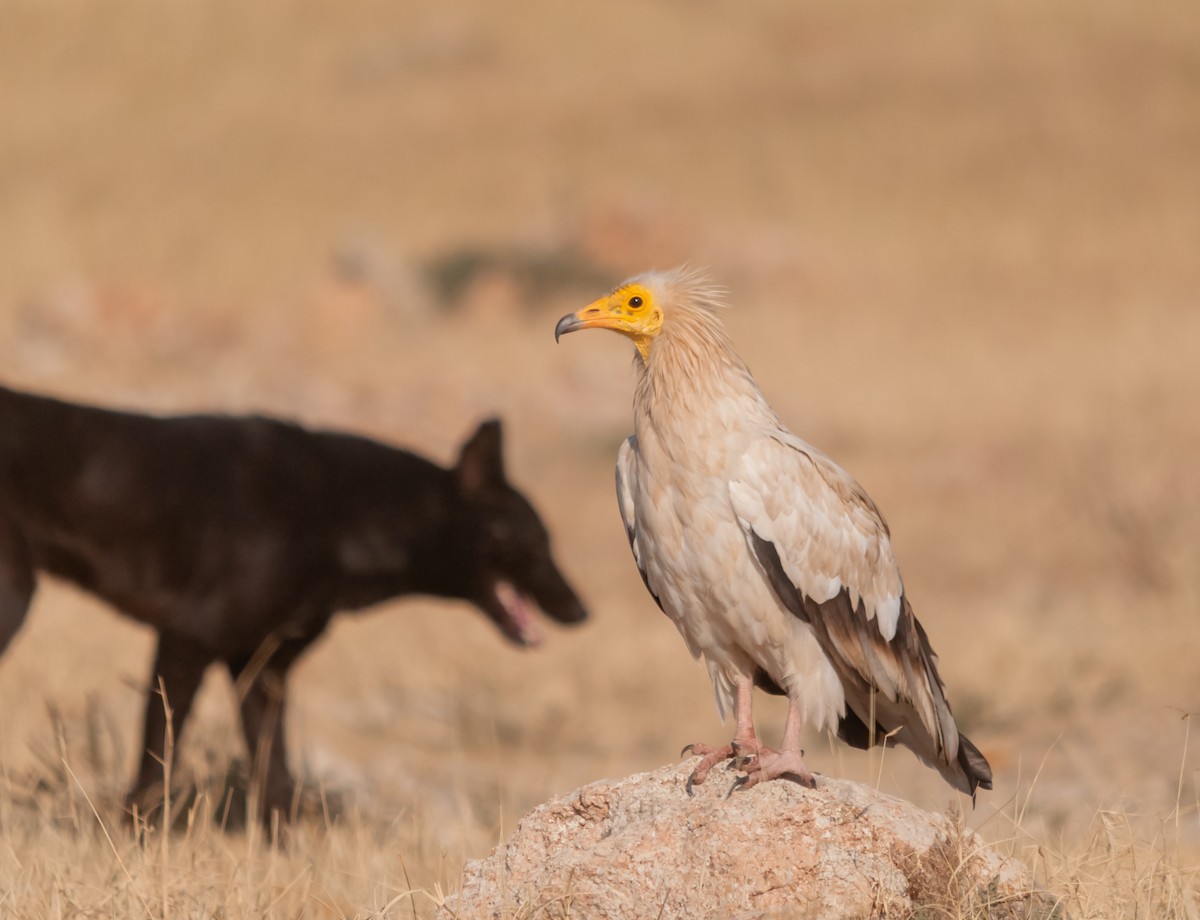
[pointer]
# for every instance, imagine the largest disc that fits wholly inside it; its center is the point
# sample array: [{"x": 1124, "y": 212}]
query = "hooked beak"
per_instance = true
[
  {"x": 569, "y": 323},
  {"x": 596, "y": 315}
]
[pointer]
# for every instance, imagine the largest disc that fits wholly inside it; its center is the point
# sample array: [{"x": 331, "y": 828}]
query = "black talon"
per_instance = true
[
  {"x": 690, "y": 792},
  {"x": 686, "y": 748},
  {"x": 740, "y": 781},
  {"x": 737, "y": 758}
]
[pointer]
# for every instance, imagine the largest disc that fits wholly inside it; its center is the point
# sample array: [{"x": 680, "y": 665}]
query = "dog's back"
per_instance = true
[{"x": 207, "y": 525}]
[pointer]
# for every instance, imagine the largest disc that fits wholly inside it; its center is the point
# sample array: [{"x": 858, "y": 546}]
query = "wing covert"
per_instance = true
[{"x": 830, "y": 535}]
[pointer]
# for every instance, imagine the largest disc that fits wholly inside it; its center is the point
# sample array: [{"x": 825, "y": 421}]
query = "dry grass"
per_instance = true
[{"x": 962, "y": 244}]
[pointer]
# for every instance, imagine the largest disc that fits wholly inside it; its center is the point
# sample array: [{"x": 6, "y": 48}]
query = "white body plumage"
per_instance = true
[
  {"x": 694, "y": 553},
  {"x": 773, "y": 563}
]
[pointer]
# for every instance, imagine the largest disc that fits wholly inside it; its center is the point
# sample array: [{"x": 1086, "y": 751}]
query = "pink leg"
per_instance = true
[
  {"x": 744, "y": 745},
  {"x": 787, "y": 761}
]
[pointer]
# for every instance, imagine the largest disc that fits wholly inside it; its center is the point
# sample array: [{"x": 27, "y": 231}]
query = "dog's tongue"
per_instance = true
[{"x": 520, "y": 617}]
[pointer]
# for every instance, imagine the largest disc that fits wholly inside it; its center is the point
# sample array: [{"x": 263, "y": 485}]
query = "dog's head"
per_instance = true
[{"x": 510, "y": 569}]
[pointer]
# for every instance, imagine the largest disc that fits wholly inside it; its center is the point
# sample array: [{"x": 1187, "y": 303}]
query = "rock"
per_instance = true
[{"x": 640, "y": 847}]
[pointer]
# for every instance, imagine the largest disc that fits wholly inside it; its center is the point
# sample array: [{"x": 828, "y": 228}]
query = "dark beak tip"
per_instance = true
[{"x": 568, "y": 323}]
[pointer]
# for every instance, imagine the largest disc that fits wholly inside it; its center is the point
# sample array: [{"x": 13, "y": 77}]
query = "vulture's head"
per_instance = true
[{"x": 642, "y": 307}]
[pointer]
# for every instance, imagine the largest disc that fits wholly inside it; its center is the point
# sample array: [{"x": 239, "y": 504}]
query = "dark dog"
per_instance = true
[{"x": 238, "y": 538}]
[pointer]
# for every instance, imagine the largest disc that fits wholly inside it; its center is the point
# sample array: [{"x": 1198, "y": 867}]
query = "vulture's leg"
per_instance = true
[
  {"x": 787, "y": 761},
  {"x": 744, "y": 744}
]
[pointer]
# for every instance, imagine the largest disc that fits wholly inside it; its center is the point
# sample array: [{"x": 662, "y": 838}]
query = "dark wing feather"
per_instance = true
[{"x": 825, "y": 551}]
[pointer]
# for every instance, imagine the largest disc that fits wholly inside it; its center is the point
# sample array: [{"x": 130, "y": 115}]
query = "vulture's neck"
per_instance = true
[{"x": 693, "y": 387}]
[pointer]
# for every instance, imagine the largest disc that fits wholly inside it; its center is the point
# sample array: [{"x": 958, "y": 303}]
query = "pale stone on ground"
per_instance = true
[{"x": 640, "y": 847}]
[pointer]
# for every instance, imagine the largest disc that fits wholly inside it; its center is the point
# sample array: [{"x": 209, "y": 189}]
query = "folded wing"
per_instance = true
[{"x": 825, "y": 549}]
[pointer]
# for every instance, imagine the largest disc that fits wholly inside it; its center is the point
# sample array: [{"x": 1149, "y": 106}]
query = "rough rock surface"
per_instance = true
[{"x": 640, "y": 847}]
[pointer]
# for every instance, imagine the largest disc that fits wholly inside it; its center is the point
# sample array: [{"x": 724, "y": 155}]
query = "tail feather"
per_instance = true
[
  {"x": 967, "y": 772},
  {"x": 974, "y": 766}
]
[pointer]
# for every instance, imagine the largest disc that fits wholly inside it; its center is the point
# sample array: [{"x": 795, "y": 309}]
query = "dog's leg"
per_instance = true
[
  {"x": 16, "y": 581},
  {"x": 264, "y": 711},
  {"x": 179, "y": 664}
]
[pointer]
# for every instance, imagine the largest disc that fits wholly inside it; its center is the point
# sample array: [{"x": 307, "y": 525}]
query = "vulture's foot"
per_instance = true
[
  {"x": 736, "y": 751},
  {"x": 769, "y": 764}
]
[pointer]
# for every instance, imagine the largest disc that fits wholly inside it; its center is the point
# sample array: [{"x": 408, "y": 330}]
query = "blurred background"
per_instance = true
[{"x": 962, "y": 245}]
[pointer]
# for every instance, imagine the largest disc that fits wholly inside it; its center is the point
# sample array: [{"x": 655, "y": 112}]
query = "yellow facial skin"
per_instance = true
[{"x": 630, "y": 310}]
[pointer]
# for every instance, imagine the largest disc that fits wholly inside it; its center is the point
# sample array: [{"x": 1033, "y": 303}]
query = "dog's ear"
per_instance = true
[{"x": 481, "y": 459}]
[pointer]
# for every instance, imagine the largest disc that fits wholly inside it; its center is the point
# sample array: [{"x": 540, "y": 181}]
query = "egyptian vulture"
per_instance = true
[{"x": 770, "y": 559}]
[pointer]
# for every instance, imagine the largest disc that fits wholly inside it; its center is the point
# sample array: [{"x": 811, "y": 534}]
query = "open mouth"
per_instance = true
[{"x": 519, "y": 621}]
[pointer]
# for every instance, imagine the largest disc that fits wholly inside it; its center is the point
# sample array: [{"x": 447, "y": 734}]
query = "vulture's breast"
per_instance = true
[{"x": 700, "y": 566}]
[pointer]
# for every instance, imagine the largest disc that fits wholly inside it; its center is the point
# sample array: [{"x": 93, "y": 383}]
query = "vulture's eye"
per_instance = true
[{"x": 635, "y": 301}]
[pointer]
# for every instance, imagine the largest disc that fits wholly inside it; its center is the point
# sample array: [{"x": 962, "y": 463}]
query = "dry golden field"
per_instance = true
[{"x": 964, "y": 247}]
